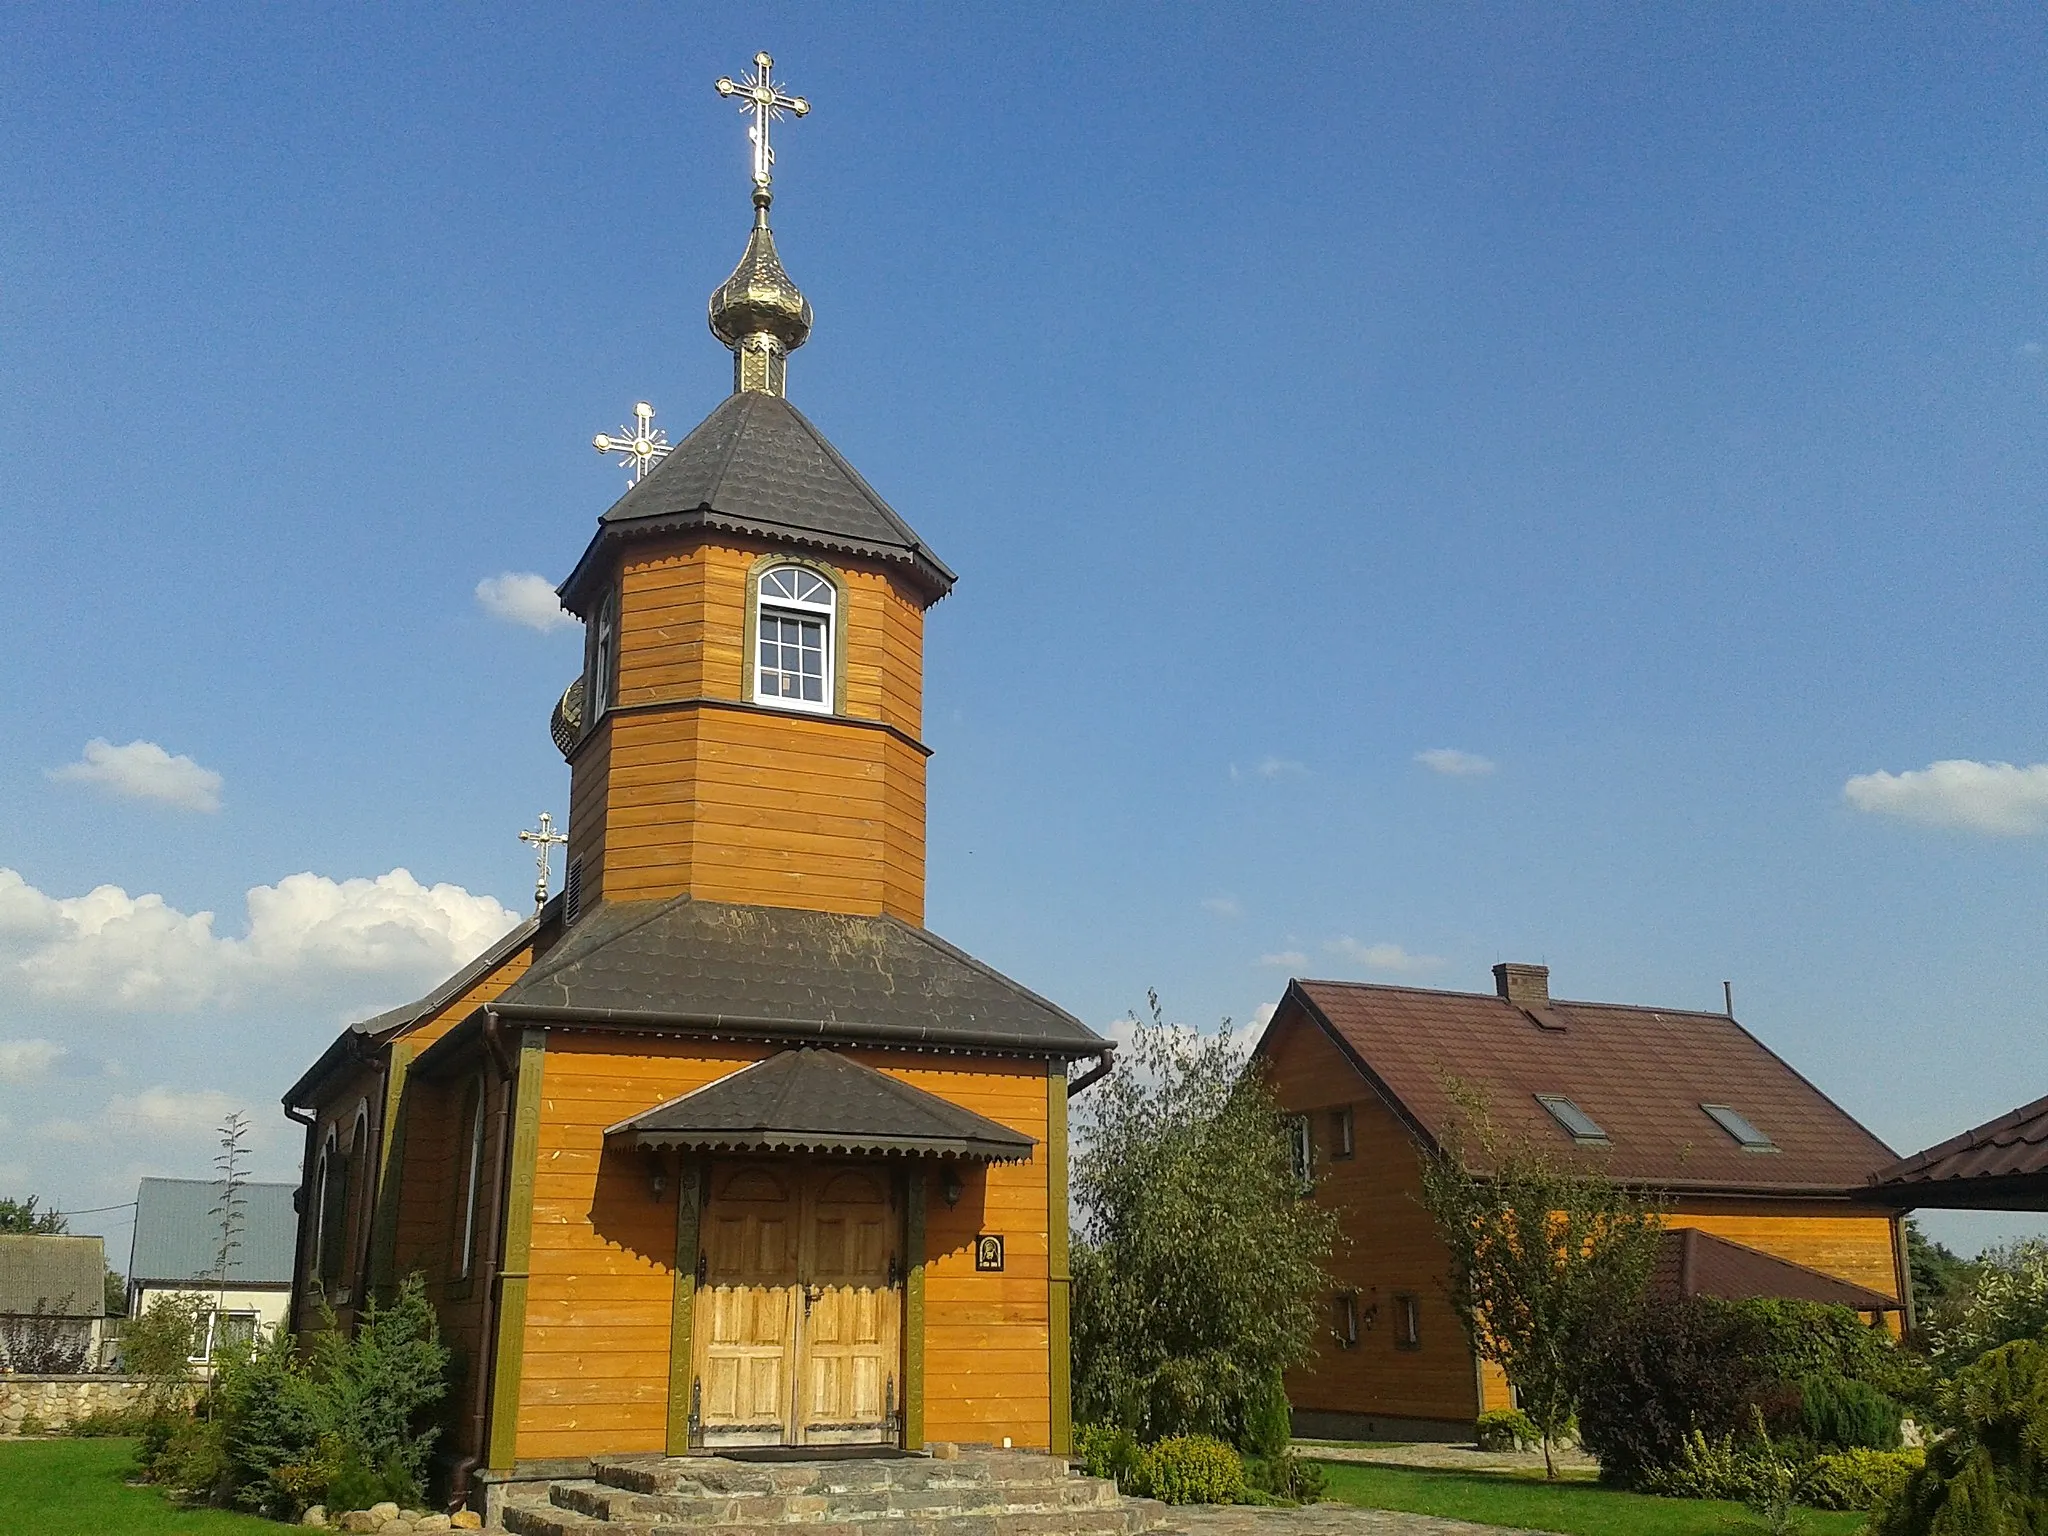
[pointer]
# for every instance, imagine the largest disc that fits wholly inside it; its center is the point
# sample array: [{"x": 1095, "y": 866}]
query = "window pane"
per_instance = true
[
  {"x": 1740, "y": 1127},
  {"x": 1582, "y": 1126}
]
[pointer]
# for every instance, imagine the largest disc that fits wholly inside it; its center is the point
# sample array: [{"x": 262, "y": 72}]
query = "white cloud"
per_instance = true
[
  {"x": 142, "y": 770},
  {"x": 1996, "y": 798},
  {"x": 1454, "y": 764},
  {"x": 1222, "y": 906},
  {"x": 23, "y": 1061},
  {"x": 1270, "y": 768},
  {"x": 1391, "y": 958},
  {"x": 1284, "y": 957},
  {"x": 109, "y": 949},
  {"x": 162, "y": 1111},
  {"x": 1262, "y": 1016},
  {"x": 521, "y": 597}
]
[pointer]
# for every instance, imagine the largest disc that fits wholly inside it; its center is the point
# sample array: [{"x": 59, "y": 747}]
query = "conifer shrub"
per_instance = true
[
  {"x": 1987, "y": 1474},
  {"x": 1193, "y": 1469},
  {"x": 1840, "y": 1413}
]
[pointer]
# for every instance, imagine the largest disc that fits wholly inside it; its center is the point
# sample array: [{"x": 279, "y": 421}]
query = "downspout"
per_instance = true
[
  {"x": 311, "y": 1122},
  {"x": 462, "y": 1475},
  {"x": 1095, "y": 1074}
]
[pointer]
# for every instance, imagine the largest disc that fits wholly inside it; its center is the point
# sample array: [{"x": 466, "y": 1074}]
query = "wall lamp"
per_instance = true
[{"x": 950, "y": 1186}]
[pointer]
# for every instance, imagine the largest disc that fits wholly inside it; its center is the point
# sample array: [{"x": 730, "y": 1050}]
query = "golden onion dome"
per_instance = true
[{"x": 759, "y": 312}]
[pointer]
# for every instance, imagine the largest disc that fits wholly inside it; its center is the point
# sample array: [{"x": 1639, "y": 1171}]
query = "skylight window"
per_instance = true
[
  {"x": 1581, "y": 1127},
  {"x": 1747, "y": 1136}
]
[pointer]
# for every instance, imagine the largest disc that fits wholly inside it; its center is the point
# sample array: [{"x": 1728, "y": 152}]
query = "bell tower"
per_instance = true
[{"x": 748, "y": 724}]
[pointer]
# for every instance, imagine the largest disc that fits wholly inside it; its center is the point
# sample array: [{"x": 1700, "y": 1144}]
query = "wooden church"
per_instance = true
[{"x": 723, "y": 1148}]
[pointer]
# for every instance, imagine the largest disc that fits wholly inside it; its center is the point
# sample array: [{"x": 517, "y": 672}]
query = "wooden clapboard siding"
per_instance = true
[
  {"x": 672, "y": 795},
  {"x": 1850, "y": 1244},
  {"x": 1391, "y": 1248},
  {"x": 602, "y": 1257}
]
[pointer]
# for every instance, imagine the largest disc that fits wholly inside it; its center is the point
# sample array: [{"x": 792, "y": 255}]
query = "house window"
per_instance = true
[
  {"x": 793, "y": 643},
  {"x": 225, "y": 1331},
  {"x": 1347, "y": 1319},
  {"x": 472, "y": 1179},
  {"x": 604, "y": 648},
  {"x": 330, "y": 1205},
  {"x": 1746, "y": 1135},
  {"x": 1407, "y": 1322},
  {"x": 1580, "y": 1126},
  {"x": 1341, "y": 1146},
  {"x": 1301, "y": 1152}
]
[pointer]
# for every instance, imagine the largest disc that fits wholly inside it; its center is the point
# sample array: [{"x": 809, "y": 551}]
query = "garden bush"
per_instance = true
[
  {"x": 1839, "y": 1413},
  {"x": 1856, "y": 1479},
  {"x": 1987, "y": 1475},
  {"x": 1193, "y": 1469},
  {"x": 1653, "y": 1377},
  {"x": 1106, "y": 1451},
  {"x": 350, "y": 1426},
  {"x": 1506, "y": 1429},
  {"x": 1747, "y": 1472},
  {"x": 2005, "y": 1300},
  {"x": 1286, "y": 1477},
  {"x": 109, "y": 1423}
]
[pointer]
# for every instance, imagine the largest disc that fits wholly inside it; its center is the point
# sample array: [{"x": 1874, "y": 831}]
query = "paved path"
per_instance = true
[
  {"x": 1319, "y": 1520},
  {"x": 1454, "y": 1458}
]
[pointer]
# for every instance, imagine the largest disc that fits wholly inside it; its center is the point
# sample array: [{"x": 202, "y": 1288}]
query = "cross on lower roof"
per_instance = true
[
  {"x": 643, "y": 445},
  {"x": 761, "y": 96},
  {"x": 545, "y": 840}
]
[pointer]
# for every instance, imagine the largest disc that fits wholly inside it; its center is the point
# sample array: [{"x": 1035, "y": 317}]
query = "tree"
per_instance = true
[
  {"x": 1939, "y": 1274},
  {"x": 1540, "y": 1254},
  {"x": 1986, "y": 1475},
  {"x": 20, "y": 1218},
  {"x": 1199, "y": 1263},
  {"x": 2005, "y": 1300}
]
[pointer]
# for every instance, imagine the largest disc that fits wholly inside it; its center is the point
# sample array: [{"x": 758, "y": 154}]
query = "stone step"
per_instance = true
[
  {"x": 610, "y": 1502},
  {"x": 1128, "y": 1519},
  {"x": 708, "y": 1476}
]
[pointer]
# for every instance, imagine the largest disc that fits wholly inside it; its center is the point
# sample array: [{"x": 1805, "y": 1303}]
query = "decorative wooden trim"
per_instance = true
[
  {"x": 1061, "y": 1279},
  {"x": 748, "y": 707},
  {"x": 512, "y": 1275},
  {"x": 682, "y": 1305},
  {"x": 913, "y": 1310},
  {"x": 390, "y": 1159}
]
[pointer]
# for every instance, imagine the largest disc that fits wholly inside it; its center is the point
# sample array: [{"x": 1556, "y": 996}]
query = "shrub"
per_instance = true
[
  {"x": 351, "y": 1485},
  {"x": 1193, "y": 1469},
  {"x": 1841, "y": 1413},
  {"x": 1751, "y": 1473},
  {"x": 1652, "y": 1377},
  {"x": 1287, "y": 1476},
  {"x": 1107, "y": 1451},
  {"x": 193, "y": 1460},
  {"x": 1988, "y": 1475},
  {"x": 109, "y": 1423},
  {"x": 1506, "y": 1429},
  {"x": 31, "y": 1425},
  {"x": 2006, "y": 1300},
  {"x": 1855, "y": 1479},
  {"x": 378, "y": 1389},
  {"x": 1269, "y": 1423}
]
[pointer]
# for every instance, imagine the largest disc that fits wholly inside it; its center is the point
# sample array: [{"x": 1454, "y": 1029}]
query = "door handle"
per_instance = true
[{"x": 811, "y": 1295}]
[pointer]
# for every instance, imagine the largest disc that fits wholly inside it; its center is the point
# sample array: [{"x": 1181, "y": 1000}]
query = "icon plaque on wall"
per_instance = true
[{"x": 988, "y": 1251}]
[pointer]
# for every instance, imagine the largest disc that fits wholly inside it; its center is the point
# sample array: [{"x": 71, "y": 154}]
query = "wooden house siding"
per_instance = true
[
  {"x": 596, "y": 1367},
  {"x": 1391, "y": 1249},
  {"x": 674, "y": 794}
]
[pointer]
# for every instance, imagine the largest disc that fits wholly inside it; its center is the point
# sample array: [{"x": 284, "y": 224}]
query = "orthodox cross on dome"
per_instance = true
[
  {"x": 545, "y": 840},
  {"x": 760, "y": 95},
  {"x": 643, "y": 445}
]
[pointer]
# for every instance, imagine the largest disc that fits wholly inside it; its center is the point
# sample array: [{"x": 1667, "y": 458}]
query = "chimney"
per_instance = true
[{"x": 1526, "y": 986}]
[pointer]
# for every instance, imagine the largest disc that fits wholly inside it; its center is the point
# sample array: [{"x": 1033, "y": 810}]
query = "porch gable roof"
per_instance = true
[{"x": 812, "y": 1100}]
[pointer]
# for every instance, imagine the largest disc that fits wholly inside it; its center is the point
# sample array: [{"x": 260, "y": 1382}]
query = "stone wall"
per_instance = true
[{"x": 58, "y": 1400}]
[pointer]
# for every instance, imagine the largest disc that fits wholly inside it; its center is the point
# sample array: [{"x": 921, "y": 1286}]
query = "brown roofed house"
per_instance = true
[{"x": 1752, "y": 1156}]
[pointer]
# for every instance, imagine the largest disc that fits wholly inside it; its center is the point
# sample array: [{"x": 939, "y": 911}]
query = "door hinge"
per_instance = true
[
  {"x": 696, "y": 1413},
  {"x": 895, "y": 1270},
  {"x": 703, "y": 1267}
]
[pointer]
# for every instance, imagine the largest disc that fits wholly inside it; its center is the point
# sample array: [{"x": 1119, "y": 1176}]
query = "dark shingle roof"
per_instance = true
[
  {"x": 1999, "y": 1165},
  {"x": 67, "y": 1274},
  {"x": 809, "y": 1100},
  {"x": 796, "y": 974},
  {"x": 1641, "y": 1073},
  {"x": 177, "y": 1234},
  {"x": 1694, "y": 1263},
  {"x": 364, "y": 1033},
  {"x": 756, "y": 465}
]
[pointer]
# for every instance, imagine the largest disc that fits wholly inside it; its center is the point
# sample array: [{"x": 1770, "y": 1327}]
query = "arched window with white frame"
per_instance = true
[
  {"x": 793, "y": 640},
  {"x": 604, "y": 659},
  {"x": 330, "y": 1181}
]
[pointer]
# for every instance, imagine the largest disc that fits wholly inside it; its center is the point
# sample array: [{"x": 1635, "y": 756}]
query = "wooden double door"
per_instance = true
[{"x": 798, "y": 1313}]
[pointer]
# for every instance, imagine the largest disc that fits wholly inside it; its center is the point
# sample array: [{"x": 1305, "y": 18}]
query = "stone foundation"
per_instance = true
[{"x": 57, "y": 1401}]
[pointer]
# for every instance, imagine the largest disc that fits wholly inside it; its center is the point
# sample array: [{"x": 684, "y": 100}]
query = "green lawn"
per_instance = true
[
  {"x": 79, "y": 1488},
  {"x": 1576, "y": 1508}
]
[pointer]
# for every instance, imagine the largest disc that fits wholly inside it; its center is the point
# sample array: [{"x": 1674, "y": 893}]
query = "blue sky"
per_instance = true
[{"x": 1645, "y": 404}]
